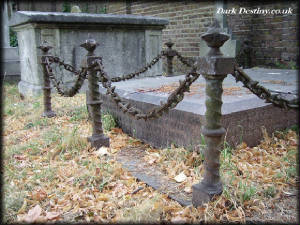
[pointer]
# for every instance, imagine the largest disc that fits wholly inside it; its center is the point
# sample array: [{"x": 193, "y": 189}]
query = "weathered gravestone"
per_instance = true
[{"x": 127, "y": 42}]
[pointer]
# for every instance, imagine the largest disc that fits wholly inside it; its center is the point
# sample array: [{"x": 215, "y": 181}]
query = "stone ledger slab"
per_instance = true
[
  {"x": 243, "y": 113},
  {"x": 127, "y": 43}
]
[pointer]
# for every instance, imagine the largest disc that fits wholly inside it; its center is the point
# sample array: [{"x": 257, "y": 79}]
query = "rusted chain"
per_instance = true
[
  {"x": 187, "y": 62},
  {"x": 81, "y": 76},
  {"x": 55, "y": 59},
  {"x": 279, "y": 99},
  {"x": 175, "y": 97},
  {"x": 143, "y": 70}
]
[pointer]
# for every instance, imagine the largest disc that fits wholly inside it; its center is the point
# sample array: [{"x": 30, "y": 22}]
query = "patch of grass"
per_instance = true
[
  {"x": 13, "y": 201},
  {"x": 108, "y": 121},
  {"x": 246, "y": 192},
  {"x": 270, "y": 192},
  {"x": 33, "y": 148},
  {"x": 87, "y": 180},
  {"x": 52, "y": 136},
  {"x": 290, "y": 172},
  {"x": 72, "y": 143},
  {"x": 10, "y": 151},
  {"x": 78, "y": 114},
  {"x": 144, "y": 212},
  {"x": 44, "y": 175},
  {"x": 102, "y": 185}
]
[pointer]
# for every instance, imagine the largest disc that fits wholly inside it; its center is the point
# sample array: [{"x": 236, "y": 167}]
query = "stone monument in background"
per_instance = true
[
  {"x": 127, "y": 43},
  {"x": 10, "y": 61}
]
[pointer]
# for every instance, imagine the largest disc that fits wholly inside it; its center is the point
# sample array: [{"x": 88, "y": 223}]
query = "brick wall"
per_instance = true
[
  {"x": 188, "y": 20},
  {"x": 274, "y": 37}
]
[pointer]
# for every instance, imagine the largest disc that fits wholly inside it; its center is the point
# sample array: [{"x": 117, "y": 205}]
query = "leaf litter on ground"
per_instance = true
[{"x": 84, "y": 184}]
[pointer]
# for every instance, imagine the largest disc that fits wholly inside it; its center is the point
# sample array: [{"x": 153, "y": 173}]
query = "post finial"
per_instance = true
[
  {"x": 45, "y": 47},
  {"x": 215, "y": 38},
  {"x": 169, "y": 44},
  {"x": 90, "y": 45}
]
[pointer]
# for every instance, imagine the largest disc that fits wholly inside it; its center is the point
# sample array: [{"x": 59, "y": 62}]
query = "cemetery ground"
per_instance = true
[{"x": 51, "y": 173}]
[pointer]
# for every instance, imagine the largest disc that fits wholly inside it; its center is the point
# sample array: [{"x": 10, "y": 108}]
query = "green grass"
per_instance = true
[
  {"x": 246, "y": 192},
  {"x": 270, "y": 192},
  {"x": 78, "y": 114},
  {"x": 13, "y": 201},
  {"x": 108, "y": 121}
]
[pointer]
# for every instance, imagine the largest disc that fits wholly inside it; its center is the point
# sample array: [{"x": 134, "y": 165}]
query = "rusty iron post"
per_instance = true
[
  {"x": 45, "y": 47},
  {"x": 98, "y": 139},
  {"x": 214, "y": 67},
  {"x": 170, "y": 53}
]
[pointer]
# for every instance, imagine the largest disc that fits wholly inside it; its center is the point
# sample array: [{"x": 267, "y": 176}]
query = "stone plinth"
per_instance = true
[
  {"x": 127, "y": 42},
  {"x": 243, "y": 113}
]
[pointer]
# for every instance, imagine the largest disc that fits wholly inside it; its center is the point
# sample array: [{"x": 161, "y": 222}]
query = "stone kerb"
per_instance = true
[{"x": 127, "y": 43}]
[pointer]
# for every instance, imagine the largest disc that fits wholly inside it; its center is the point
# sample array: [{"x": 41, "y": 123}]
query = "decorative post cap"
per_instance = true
[
  {"x": 45, "y": 46},
  {"x": 215, "y": 38},
  {"x": 169, "y": 44},
  {"x": 90, "y": 45},
  {"x": 75, "y": 9}
]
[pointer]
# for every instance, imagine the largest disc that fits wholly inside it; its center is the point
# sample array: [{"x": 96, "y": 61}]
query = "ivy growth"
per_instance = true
[{"x": 13, "y": 40}]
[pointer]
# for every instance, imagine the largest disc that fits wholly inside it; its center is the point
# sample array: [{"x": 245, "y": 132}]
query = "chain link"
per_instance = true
[
  {"x": 185, "y": 61},
  {"x": 149, "y": 65},
  {"x": 55, "y": 59},
  {"x": 81, "y": 76},
  {"x": 175, "y": 97},
  {"x": 279, "y": 99},
  {"x": 143, "y": 70}
]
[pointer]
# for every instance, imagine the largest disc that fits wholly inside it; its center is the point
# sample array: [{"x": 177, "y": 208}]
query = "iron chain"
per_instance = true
[
  {"x": 175, "y": 97},
  {"x": 143, "y": 70},
  {"x": 279, "y": 99},
  {"x": 187, "y": 62},
  {"x": 81, "y": 76}
]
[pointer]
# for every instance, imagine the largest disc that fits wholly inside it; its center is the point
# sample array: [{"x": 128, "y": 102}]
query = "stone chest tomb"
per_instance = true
[{"x": 127, "y": 42}]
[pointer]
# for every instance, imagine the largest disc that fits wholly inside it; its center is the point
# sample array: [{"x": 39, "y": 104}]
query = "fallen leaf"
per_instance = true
[
  {"x": 39, "y": 195},
  {"x": 20, "y": 157},
  {"x": 52, "y": 215},
  {"x": 180, "y": 177},
  {"x": 102, "y": 151},
  {"x": 102, "y": 197},
  {"x": 188, "y": 189},
  {"x": 33, "y": 214},
  {"x": 178, "y": 219}
]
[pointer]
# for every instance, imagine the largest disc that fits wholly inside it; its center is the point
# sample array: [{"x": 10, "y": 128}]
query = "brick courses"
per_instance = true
[{"x": 274, "y": 37}]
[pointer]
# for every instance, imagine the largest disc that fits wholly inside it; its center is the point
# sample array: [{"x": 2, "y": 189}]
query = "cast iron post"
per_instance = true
[
  {"x": 98, "y": 138},
  {"x": 214, "y": 67},
  {"x": 45, "y": 47},
  {"x": 170, "y": 53}
]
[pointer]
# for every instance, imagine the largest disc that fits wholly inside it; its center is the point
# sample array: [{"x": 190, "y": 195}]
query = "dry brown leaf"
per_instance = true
[
  {"x": 178, "y": 219},
  {"x": 52, "y": 215},
  {"x": 102, "y": 151},
  {"x": 180, "y": 177},
  {"x": 102, "y": 197},
  {"x": 20, "y": 157},
  {"x": 188, "y": 189},
  {"x": 39, "y": 195},
  {"x": 33, "y": 214}
]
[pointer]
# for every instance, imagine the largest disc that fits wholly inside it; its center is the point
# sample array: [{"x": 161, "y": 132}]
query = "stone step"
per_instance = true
[{"x": 131, "y": 159}]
